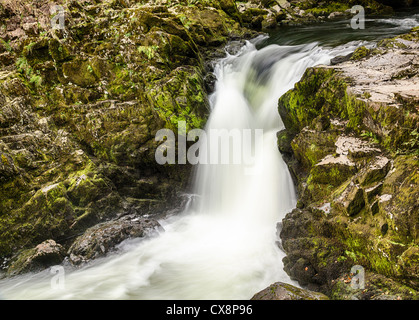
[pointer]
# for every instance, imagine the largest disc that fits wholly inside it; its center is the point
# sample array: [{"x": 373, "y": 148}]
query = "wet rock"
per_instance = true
[
  {"x": 285, "y": 291},
  {"x": 375, "y": 287},
  {"x": 209, "y": 80},
  {"x": 44, "y": 255},
  {"x": 100, "y": 239},
  {"x": 284, "y": 141}
]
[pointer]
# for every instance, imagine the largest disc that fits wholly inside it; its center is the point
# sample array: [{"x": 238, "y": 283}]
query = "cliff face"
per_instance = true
[{"x": 352, "y": 145}]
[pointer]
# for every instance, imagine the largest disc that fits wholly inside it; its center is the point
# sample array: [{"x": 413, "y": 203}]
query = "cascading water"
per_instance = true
[{"x": 224, "y": 245}]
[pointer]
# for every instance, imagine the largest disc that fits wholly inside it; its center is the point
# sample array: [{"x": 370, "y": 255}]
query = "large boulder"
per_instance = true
[{"x": 102, "y": 238}]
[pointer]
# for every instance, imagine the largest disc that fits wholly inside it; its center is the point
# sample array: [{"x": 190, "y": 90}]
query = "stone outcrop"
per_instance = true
[
  {"x": 351, "y": 145},
  {"x": 102, "y": 238}
]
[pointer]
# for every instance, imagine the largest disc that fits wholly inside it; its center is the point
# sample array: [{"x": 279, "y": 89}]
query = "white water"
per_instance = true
[
  {"x": 224, "y": 245},
  {"x": 406, "y": 23}
]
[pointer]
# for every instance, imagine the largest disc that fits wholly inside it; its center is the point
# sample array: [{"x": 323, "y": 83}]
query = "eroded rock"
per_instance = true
[{"x": 101, "y": 239}]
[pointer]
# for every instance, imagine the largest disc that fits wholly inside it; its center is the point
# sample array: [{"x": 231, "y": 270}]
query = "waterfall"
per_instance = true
[{"x": 224, "y": 245}]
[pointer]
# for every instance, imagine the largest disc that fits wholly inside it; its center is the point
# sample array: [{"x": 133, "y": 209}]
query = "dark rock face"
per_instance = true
[
  {"x": 352, "y": 173},
  {"x": 285, "y": 291},
  {"x": 102, "y": 238}
]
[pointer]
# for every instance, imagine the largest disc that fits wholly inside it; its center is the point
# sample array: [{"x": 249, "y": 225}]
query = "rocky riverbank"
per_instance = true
[
  {"x": 351, "y": 143},
  {"x": 80, "y": 107}
]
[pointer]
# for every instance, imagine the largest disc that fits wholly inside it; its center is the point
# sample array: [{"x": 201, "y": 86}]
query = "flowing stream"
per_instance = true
[{"x": 224, "y": 244}]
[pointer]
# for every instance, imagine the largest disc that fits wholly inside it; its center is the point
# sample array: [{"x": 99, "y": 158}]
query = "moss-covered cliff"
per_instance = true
[{"x": 351, "y": 143}]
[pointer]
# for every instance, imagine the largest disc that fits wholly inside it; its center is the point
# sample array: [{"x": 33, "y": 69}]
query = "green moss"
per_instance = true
[
  {"x": 188, "y": 104},
  {"x": 319, "y": 92},
  {"x": 6, "y": 45},
  {"x": 58, "y": 51},
  {"x": 334, "y": 174},
  {"x": 326, "y": 8},
  {"x": 79, "y": 73},
  {"x": 360, "y": 53},
  {"x": 149, "y": 51},
  {"x": 84, "y": 190},
  {"x": 4, "y": 160},
  {"x": 36, "y": 80}
]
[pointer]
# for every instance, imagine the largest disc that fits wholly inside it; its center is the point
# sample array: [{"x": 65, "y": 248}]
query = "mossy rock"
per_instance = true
[
  {"x": 360, "y": 53},
  {"x": 85, "y": 73},
  {"x": 370, "y": 204},
  {"x": 58, "y": 51},
  {"x": 188, "y": 105},
  {"x": 320, "y": 91},
  {"x": 84, "y": 189},
  {"x": 44, "y": 255},
  {"x": 36, "y": 51}
]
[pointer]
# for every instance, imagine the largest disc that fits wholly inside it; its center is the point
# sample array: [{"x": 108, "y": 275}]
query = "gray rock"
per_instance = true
[
  {"x": 375, "y": 172},
  {"x": 285, "y": 291},
  {"x": 335, "y": 15},
  {"x": 340, "y": 59}
]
